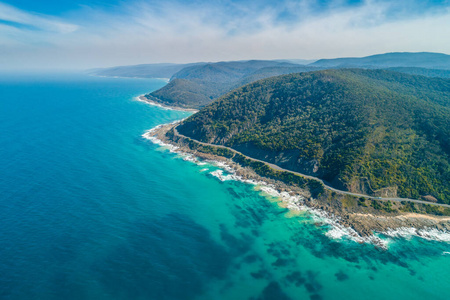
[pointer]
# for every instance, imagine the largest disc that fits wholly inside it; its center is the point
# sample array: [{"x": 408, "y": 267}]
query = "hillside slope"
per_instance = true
[
  {"x": 197, "y": 86},
  {"x": 369, "y": 131}
]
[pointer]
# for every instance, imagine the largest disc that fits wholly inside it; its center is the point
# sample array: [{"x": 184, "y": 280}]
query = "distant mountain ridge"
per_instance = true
[
  {"x": 368, "y": 131},
  {"x": 198, "y": 84},
  {"x": 427, "y": 60}
]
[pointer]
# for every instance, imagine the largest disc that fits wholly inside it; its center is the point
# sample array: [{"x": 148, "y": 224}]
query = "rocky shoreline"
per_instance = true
[{"x": 361, "y": 224}]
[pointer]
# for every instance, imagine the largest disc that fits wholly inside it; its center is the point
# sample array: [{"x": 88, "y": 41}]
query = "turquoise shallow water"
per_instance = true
[{"x": 91, "y": 210}]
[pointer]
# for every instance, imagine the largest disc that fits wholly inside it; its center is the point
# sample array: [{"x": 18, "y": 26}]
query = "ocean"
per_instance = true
[{"x": 89, "y": 209}]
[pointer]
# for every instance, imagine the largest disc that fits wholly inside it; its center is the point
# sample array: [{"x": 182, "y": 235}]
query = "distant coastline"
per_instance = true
[
  {"x": 142, "y": 98},
  {"x": 133, "y": 77}
]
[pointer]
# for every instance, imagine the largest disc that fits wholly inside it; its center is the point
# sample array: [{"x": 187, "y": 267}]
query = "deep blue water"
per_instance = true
[{"x": 91, "y": 210}]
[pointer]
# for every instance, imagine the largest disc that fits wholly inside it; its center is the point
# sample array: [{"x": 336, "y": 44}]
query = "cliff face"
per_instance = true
[
  {"x": 292, "y": 160},
  {"x": 287, "y": 159},
  {"x": 369, "y": 131}
]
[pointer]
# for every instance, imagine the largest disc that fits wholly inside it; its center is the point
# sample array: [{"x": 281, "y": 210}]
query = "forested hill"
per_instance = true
[
  {"x": 371, "y": 131},
  {"x": 422, "y": 71},
  {"x": 197, "y": 86}
]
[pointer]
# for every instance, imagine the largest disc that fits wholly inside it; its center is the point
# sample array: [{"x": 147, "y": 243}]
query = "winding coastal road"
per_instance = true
[{"x": 275, "y": 167}]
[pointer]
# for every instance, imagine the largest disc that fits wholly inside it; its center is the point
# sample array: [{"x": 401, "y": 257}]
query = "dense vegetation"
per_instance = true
[{"x": 363, "y": 130}]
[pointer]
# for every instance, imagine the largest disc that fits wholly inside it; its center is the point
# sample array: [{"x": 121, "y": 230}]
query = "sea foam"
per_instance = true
[{"x": 431, "y": 234}]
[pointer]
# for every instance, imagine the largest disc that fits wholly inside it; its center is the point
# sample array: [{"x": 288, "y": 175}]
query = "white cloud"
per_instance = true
[
  {"x": 47, "y": 23},
  {"x": 169, "y": 32}
]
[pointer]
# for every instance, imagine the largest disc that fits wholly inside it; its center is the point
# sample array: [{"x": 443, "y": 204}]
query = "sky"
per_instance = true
[{"x": 83, "y": 34}]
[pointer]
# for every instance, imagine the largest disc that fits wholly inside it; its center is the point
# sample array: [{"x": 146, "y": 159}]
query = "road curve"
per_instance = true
[{"x": 278, "y": 168}]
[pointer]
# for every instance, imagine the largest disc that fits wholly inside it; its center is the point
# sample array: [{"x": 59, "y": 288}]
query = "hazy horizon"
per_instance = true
[{"x": 86, "y": 34}]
